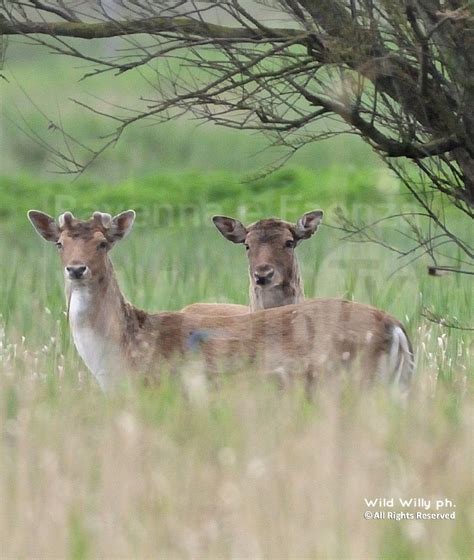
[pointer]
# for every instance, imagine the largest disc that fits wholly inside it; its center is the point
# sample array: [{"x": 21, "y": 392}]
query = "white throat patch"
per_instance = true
[{"x": 98, "y": 350}]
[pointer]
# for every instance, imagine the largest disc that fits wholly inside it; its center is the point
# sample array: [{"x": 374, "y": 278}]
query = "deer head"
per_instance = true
[
  {"x": 83, "y": 245},
  {"x": 270, "y": 245}
]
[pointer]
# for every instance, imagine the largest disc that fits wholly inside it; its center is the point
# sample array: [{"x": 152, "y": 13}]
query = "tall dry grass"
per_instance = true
[{"x": 246, "y": 471}]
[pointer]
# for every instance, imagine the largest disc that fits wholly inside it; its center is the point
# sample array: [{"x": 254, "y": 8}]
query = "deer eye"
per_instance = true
[
  {"x": 290, "y": 244},
  {"x": 59, "y": 245},
  {"x": 102, "y": 245},
  {"x": 246, "y": 247}
]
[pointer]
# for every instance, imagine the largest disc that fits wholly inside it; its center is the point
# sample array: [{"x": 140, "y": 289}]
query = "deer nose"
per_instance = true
[
  {"x": 263, "y": 274},
  {"x": 76, "y": 272}
]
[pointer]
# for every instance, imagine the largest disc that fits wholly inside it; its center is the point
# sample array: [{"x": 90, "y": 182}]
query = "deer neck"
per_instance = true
[
  {"x": 288, "y": 292},
  {"x": 96, "y": 316}
]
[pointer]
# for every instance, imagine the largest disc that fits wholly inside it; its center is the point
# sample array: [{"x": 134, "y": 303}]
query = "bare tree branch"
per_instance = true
[
  {"x": 153, "y": 25},
  {"x": 444, "y": 321}
]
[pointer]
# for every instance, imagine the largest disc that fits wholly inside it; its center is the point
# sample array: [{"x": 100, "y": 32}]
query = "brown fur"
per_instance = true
[{"x": 319, "y": 336}]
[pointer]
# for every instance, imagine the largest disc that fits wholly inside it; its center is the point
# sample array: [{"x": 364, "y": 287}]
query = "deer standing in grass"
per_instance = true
[
  {"x": 117, "y": 340},
  {"x": 274, "y": 272}
]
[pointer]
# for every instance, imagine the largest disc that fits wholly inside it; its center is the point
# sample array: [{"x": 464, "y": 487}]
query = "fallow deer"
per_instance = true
[
  {"x": 274, "y": 272},
  {"x": 117, "y": 340}
]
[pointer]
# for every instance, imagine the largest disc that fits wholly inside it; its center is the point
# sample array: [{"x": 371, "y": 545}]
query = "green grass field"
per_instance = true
[{"x": 242, "y": 470}]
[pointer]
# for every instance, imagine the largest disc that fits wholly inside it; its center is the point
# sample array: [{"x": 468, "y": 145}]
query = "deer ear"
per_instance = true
[
  {"x": 121, "y": 225},
  {"x": 44, "y": 225},
  {"x": 308, "y": 224},
  {"x": 231, "y": 229}
]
